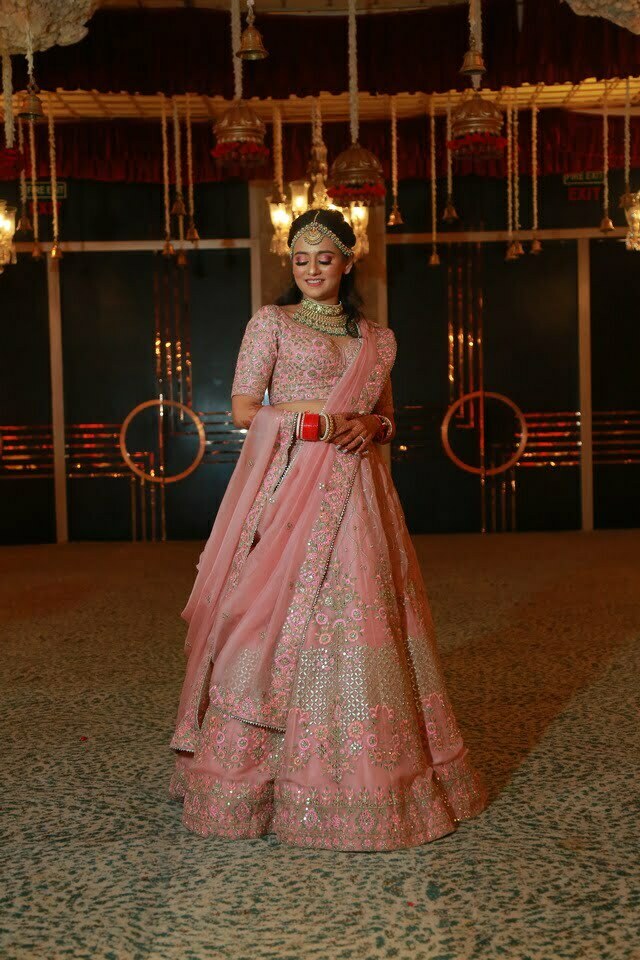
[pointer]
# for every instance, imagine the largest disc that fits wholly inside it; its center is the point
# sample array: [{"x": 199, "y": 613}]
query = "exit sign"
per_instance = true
[{"x": 43, "y": 190}]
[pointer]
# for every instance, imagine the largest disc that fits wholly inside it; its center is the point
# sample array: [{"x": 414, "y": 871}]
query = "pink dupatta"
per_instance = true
[{"x": 245, "y": 632}]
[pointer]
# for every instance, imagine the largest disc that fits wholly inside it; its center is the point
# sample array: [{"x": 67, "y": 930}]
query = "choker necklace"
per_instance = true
[{"x": 324, "y": 317}]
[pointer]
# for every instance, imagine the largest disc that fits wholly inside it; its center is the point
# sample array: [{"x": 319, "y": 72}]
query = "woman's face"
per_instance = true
[{"x": 319, "y": 268}]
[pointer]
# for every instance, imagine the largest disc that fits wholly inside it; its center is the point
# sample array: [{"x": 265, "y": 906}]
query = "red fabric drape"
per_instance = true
[
  {"x": 188, "y": 50},
  {"x": 130, "y": 151}
]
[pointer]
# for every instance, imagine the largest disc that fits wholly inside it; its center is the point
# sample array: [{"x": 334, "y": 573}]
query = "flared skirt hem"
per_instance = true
[{"x": 333, "y": 818}]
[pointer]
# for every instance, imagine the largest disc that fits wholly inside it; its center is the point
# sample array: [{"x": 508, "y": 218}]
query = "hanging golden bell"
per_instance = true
[
  {"x": 434, "y": 259},
  {"x": 168, "y": 249},
  {"x": 395, "y": 217},
  {"x": 251, "y": 45},
  {"x": 192, "y": 234},
  {"x": 178, "y": 209},
  {"x": 181, "y": 259},
  {"x": 24, "y": 224},
  {"x": 606, "y": 224},
  {"x": 31, "y": 106},
  {"x": 536, "y": 246},
  {"x": 518, "y": 248},
  {"x": 56, "y": 251},
  {"x": 450, "y": 214},
  {"x": 36, "y": 251},
  {"x": 473, "y": 64},
  {"x": 511, "y": 252}
]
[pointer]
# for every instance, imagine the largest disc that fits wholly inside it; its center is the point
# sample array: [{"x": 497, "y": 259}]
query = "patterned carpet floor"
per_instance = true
[{"x": 540, "y": 638}]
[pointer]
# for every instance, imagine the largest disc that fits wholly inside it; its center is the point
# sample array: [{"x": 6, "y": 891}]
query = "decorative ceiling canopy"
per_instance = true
[
  {"x": 626, "y": 13},
  {"x": 50, "y": 22}
]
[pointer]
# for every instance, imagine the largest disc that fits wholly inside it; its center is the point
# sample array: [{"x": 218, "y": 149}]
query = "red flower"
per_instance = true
[
  {"x": 240, "y": 151},
  {"x": 11, "y": 163},
  {"x": 366, "y": 193},
  {"x": 481, "y": 144}
]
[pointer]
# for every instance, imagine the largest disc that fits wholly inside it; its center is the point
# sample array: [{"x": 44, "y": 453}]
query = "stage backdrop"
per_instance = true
[{"x": 530, "y": 340}]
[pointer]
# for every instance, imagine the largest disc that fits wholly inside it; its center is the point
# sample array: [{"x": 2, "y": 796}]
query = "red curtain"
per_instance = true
[
  {"x": 187, "y": 50},
  {"x": 131, "y": 151}
]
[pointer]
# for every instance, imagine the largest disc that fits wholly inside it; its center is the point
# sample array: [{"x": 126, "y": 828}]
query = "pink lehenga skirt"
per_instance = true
[{"x": 367, "y": 754}]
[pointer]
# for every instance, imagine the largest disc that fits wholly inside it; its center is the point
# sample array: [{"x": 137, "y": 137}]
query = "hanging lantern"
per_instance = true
[
  {"x": 356, "y": 174},
  {"x": 475, "y": 129},
  {"x": 299, "y": 190},
  {"x": 251, "y": 44},
  {"x": 7, "y": 232},
  {"x": 476, "y": 123},
  {"x": 356, "y": 177},
  {"x": 240, "y": 132},
  {"x": 240, "y": 137},
  {"x": 632, "y": 213}
]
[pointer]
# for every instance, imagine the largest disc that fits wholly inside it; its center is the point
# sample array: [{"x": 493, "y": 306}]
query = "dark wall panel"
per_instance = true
[
  {"x": 530, "y": 355},
  {"x": 107, "y": 302},
  {"x": 27, "y": 506},
  {"x": 615, "y": 333}
]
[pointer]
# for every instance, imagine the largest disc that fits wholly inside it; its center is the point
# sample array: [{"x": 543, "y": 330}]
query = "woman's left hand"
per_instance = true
[{"x": 357, "y": 426}]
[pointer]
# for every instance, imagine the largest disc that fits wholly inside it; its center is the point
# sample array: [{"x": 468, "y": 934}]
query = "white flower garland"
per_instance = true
[
  {"x": 394, "y": 151},
  {"x": 52, "y": 167},
  {"x": 165, "y": 169},
  {"x": 235, "y": 45},
  {"x": 353, "y": 74},
  {"x": 534, "y": 166},
  {"x": 34, "y": 197},
  {"x": 278, "y": 171}
]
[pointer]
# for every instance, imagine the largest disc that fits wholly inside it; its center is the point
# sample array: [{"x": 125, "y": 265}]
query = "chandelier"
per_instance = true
[
  {"x": 476, "y": 123},
  {"x": 7, "y": 231}
]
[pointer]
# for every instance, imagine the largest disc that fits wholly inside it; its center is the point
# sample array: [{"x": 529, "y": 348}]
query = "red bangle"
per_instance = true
[{"x": 310, "y": 429}]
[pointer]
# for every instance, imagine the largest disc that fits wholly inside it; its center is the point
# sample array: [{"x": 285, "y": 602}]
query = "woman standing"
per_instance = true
[{"x": 314, "y": 704}]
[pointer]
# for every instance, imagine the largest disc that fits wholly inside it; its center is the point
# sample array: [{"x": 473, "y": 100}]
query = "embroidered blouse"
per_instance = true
[{"x": 294, "y": 362}]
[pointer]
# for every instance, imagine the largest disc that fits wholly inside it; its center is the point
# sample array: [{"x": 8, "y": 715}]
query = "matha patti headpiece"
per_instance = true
[{"x": 314, "y": 232}]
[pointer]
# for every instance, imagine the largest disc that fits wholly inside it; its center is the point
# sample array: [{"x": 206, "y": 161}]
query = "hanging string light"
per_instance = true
[
  {"x": 630, "y": 202},
  {"x": 168, "y": 248},
  {"x": 192, "y": 234},
  {"x": 395, "y": 217},
  {"x": 56, "y": 252},
  {"x": 434, "y": 259},
  {"x": 606, "y": 224},
  {"x": 518, "y": 248},
  {"x": 536, "y": 246},
  {"x": 36, "y": 249},
  {"x": 239, "y": 132},
  {"x": 450, "y": 214},
  {"x": 356, "y": 173}
]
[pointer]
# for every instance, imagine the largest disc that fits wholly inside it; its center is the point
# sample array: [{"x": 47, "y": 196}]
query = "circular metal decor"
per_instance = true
[
  {"x": 495, "y": 396},
  {"x": 162, "y": 403}
]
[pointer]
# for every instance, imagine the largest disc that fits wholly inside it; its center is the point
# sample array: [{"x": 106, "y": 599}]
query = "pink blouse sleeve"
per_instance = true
[{"x": 257, "y": 356}]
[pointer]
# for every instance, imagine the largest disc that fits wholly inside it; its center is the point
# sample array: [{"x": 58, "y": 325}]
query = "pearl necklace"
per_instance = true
[{"x": 317, "y": 316}]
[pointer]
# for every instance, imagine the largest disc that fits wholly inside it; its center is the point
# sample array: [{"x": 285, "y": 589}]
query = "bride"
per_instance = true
[{"x": 314, "y": 703}]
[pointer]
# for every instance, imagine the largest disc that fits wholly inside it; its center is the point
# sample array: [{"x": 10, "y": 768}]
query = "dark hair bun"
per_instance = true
[{"x": 332, "y": 219}]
